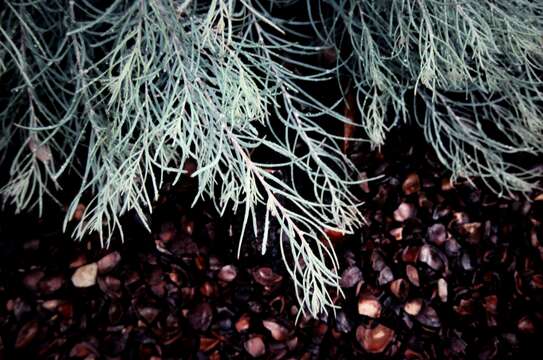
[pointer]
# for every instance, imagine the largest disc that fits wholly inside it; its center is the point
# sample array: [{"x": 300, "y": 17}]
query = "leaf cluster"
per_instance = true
[
  {"x": 123, "y": 96},
  {"x": 470, "y": 69}
]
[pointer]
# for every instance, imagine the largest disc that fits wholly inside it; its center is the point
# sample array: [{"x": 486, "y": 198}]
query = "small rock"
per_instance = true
[
  {"x": 397, "y": 233},
  {"x": 377, "y": 261},
  {"x": 404, "y": 211},
  {"x": 255, "y": 346},
  {"x": 412, "y": 274},
  {"x": 51, "y": 284},
  {"x": 374, "y": 340},
  {"x": 78, "y": 261},
  {"x": 452, "y": 247},
  {"x": 334, "y": 235},
  {"x": 79, "y": 212},
  {"x": 537, "y": 281},
  {"x": 167, "y": 232},
  {"x": 66, "y": 310},
  {"x": 410, "y": 254},
  {"x": 208, "y": 344},
  {"x": 111, "y": 286},
  {"x": 278, "y": 304},
  {"x": 437, "y": 234},
  {"x": 466, "y": 262},
  {"x": 26, "y": 334},
  {"x": 413, "y": 307},
  {"x": 368, "y": 305},
  {"x": 424, "y": 202},
  {"x": 385, "y": 276},
  {"x": 442, "y": 290},
  {"x": 491, "y": 304},
  {"x": 51, "y": 304},
  {"x": 342, "y": 322},
  {"x": 243, "y": 323},
  {"x": 430, "y": 257},
  {"x": 473, "y": 232},
  {"x": 149, "y": 314},
  {"x": 108, "y": 262},
  {"x": 411, "y": 184},
  {"x": 200, "y": 317},
  {"x": 350, "y": 277},
  {"x": 278, "y": 332},
  {"x": 84, "y": 350},
  {"x": 399, "y": 288},
  {"x": 266, "y": 277},
  {"x": 428, "y": 317},
  {"x": 526, "y": 325},
  {"x": 464, "y": 307},
  {"x": 208, "y": 289},
  {"x": 228, "y": 273},
  {"x": 85, "y": 276},
  {"x": 32, "y": 279},
  {"x": 446, "y": 185},
  {"x": 292, "y": 343}
]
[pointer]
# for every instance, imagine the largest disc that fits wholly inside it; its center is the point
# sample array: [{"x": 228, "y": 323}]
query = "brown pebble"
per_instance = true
[
  {"x": 428, "y": 317},
  {"x": 399, "y": 288},
  {"x": 266, "y": 277},
  {"x": 108, "y": 262},
  {"x": 255, "y": 346},
  {"x": 208, "y": 289},
  {"x": 374, "y": 340},
  {"x": 412, "y": 274},
  {"x": 410, "y": 254},
  {"x": 526, "y": 325},
  {"x": 83, "y": 350},
  {"x": 442, "y": 290},
  {"x": 51, "y": 284},
  {"x": 397, "y": 233},
  {"x": 437, "y": 234},
  {"x": 278, "y": 332},
  {"x": 85, "y": 276},
  {"x": 411, "y": 184},
  {"x": 537, "y": 281},
  {"x": 404, "y": 211},
  {"x": 32, "y": 279},
  {"x": 473, "y": 232},
  {"x": 208, "y": 344},
  {"x": 200, "y": 317},
  {"x": 350, "y": 277},
  {"x": 149, "y": 314},
  {"x": 227, "y": 273},
  {"x": 79, "y": 212},
  {"x": 243, "y": 323},
  {"x": 385, "y": 276},
  {"x": 26, "y": 334},
  {"x": 430, "y": 257},
  {"x": 446, "y": 185},
  {"x": 51, "y": 304},
  {"x": 491, "y": 304},
  {"x": 368, "y": 305},
  {"x": 413, "y": 307}
]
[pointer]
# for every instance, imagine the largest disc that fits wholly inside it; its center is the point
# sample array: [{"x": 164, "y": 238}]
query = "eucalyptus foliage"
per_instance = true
[
  {"x": 120, "y": 95},
  {"x": 473, "y": 67}
]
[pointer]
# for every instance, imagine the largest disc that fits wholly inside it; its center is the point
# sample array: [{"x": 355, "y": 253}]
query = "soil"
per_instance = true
[{"x": 440, "y": 271}]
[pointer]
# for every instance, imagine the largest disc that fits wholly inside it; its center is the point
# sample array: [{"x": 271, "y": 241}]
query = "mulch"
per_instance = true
[{"x": 440, "y": 271}]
